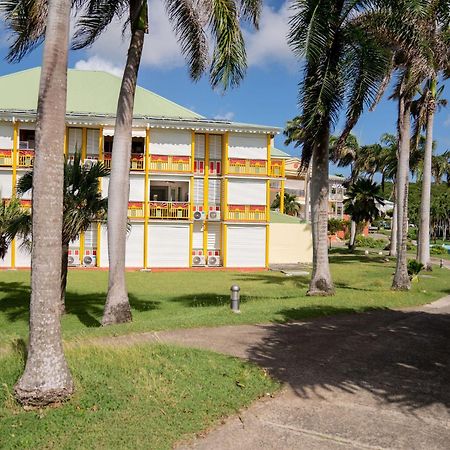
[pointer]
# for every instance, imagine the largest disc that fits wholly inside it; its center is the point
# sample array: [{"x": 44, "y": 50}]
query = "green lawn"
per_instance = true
[
  {"x": 139, "y": 397},
  {"x": 163, "y": 300}
]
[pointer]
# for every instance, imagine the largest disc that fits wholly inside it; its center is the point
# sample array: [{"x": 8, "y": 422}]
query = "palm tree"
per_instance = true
[
  {"x": 440, "y": 166},
  {"x": 10, "y": 211},
  {"x": 362, "y": 203},
  {"x": 291, "y": 207},
  {"x": 343, "y": 65},
  {"x": 83, "y": 205},
  {"x": 46, "y": 378}
]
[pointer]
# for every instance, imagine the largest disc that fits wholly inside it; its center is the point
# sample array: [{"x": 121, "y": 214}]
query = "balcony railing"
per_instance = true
[
  {"x": 137, "y": 161},
  {"x": 26, "y": 158},
  {"x": 252, "y": 213},
  {"x": 170, "y": 163},
  {"x": 6, "y": 158},
  {"x": 169, "y": 210},
  {"x": 247, "y": 166},
  {"x": 277, "y": 168},
  {"x": 136, "y": 210}
]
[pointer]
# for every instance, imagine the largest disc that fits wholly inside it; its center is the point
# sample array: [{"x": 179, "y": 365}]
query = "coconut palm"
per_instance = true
[
  {"x": 10, "y": 212},
  {"x": 83, "y": 205},
  {"x": 46, "y": 378},
  {"x": 344, "y": 65},
  {"x": 440, "y": 166},
  {"x": 291, "y": 207},
  {"x": 362, "y": 203}
]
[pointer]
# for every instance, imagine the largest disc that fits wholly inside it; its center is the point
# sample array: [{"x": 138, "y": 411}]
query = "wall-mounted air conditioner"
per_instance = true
[
  {"x": 214, "y": 215},
  {"x": 198, "y": 260},
  {"x": 199, "y": 215},
  {"x": 89, "y": 261},
  {"x": 73, "y": 260},
  {"x": 213, "y": 261}
]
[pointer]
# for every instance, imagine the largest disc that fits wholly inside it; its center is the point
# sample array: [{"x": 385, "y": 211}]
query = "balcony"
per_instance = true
[
  {"x": 277, "y": 168},
  {"x": 250, "y": 213},
  {"x": 136, "y": 210},
  {"x": 247, "y": 166},
  {"x": 25, "y": 158},
  {"x": 137, "y": 161},
  {"x": 169, "y": 210},
  {"x": 6, "y": 158},
  {"x": 170, "y": 163}
]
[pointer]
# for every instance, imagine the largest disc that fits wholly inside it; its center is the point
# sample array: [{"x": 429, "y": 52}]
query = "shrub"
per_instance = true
[
  {"x": 414, "y": 267},
  {"x": 412, "y": 234},
  {"x": 438, "y": 250},
  {"x": 370, "y": 242}
]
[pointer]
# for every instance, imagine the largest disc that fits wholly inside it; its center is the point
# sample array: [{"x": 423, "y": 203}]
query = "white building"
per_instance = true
[{"x": 199, "y": 188}]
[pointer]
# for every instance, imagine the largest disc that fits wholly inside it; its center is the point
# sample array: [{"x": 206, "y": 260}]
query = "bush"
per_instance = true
[
  {"x": 370, "y": 242},
  {"x": 412, "y": 234},
  {"x": 438, "y": 250},
  {"x": 414, "y": 267}
]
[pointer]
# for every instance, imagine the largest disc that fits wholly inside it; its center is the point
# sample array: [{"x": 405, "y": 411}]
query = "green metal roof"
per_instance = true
[
  {"x": 277, "y": 217},
  {"x": 88, "y": 91},
  {"x": 276, "y": 153}
]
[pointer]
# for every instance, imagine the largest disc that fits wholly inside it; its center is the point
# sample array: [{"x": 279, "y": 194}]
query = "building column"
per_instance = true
[
  {"x": 84, "y": 144},
  {"x": 269, "y": 155},
  {"x": 205, "y": 196},
  {"x": 15, "y": 157},
  {"x": 267, "y": 221},
  {"x": 146, "y": 194},
  {"x": 100, "y": 185}
]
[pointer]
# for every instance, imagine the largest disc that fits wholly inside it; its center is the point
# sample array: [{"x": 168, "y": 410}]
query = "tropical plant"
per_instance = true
[
  {"x": 83, "y": 205},
  {"x": 46, "y": 378},
  {"x": 440, "y": 166},
  {"x": 362, "y": 203},
  {"x": 10, "y": 211},
  {"x": 344, "y": 65},
  {"x": 291, "y": 207}
]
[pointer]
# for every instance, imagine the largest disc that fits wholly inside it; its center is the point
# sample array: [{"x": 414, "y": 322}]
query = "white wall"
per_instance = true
[
  {"x": 104, "y": 247},
  {"x": 6, "y": 135},
  {"x": 135, "y": 246},
  {"x": 246, "y": 192},
  {"x": 5, "y": 183},
  {"x": 137, "y": 187},
  {"x": 290, "y": 243},
  {"x": 247, "y": 146},
  {"x": 246, "y": 246},
  {"x": 168, "y": 245},
  {"x": 170, "y": 142}
]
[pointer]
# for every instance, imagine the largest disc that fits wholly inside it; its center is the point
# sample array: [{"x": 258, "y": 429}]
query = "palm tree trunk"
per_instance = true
[
  {"x": 321, "y": 283},
  {"x": 64, "y": 269},
  {"x": 425, "y": 203},
  {"x": 117, "y": 308},
  {"x": 307, "y": 195},
  {"x": 394, "y": 224},
  {"x": 401, "y": 279},
  {"x": 351, "y": 243},
  {"x": 47, "y": 378}
]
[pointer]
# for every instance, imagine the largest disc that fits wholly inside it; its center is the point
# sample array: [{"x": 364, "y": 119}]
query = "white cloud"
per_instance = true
[
  {"x": 98, "y": 63},
  {"x": 227, "y": 116},
  {"x": 269, "y": 43}
]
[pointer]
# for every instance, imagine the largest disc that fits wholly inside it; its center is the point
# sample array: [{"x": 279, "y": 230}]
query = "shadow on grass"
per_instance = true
[
  {"x": 301, "y": 282},
  {"x": 313, "y": 311},
  {"x": 399, "y": 357},
  {"x": 88, "y": 308}
]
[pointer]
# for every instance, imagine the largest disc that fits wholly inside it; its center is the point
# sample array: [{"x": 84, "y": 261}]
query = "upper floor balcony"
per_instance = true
[
  {"x": 277, "y": 168},
  {"x": 170, "y": 163},
  {"x": 247, "y": 166},
  {"x": 246, "y": 213}
]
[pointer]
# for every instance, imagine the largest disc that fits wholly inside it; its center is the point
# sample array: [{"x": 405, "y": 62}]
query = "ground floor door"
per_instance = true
[
  {"x": 168, "y": 245},
  {"x": 246, "y": 246}
]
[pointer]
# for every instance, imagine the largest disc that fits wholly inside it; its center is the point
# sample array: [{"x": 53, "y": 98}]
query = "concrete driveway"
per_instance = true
[{"x": 378, "y": 380}]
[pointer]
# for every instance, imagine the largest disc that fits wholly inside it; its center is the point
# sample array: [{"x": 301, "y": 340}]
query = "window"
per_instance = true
[
  {"x": 108, "y": 144},
  {"x": 138, "y": 145},
  {"x": 26, "y": 139}
]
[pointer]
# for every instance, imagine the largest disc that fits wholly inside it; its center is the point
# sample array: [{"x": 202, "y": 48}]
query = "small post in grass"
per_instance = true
[{"x": 235, "y": 298}]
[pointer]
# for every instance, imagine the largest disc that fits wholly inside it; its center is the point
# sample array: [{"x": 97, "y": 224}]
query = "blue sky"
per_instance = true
[{"x": 268, "y": 95}]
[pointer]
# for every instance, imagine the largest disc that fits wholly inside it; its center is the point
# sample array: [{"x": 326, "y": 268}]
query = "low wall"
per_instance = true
[{"x": 290, "y": 243}]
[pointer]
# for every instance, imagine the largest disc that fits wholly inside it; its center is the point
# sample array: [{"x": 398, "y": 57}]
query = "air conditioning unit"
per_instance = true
[
  {"x": 199, "y": 215},
  {"x": 73, "y": 260},
  {"x": 198, "y": 260},
  {"x": 89, "y": 261},
  {"x": 88, "y": 163},
  {"x": 214, "y": 215},
  {"x": 213, "y": 261}
]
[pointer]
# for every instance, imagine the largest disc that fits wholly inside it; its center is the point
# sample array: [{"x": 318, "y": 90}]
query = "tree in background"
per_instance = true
[
  {"x": 344, "y": 65},
  {"x": 10, "y": 212},
  {"x": 291, "y": 207},
  {"x": 362, "y": 204}
]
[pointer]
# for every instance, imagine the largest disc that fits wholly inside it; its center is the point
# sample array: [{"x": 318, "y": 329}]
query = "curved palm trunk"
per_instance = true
[
  {"x": 64, "y": 269},
  {"x": 47, "y": 378},
  {"x": 351, "y": 244},
  {"x": 423, "y": 250},
  {"x": 117, "y": 308},
  {"x": 394, "y": 225},
  {"x": 401, "y": 279},
  {"x": 321, "y": 283}
]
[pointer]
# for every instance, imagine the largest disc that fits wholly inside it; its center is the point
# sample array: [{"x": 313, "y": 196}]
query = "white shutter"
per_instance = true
[
  {"x": 105, "y": 186},
  {"x": 199, "y": 151},
  {"x": 75, "y": 140},
  {"x": 6, "y": 136},
  {"x": 104, "y": 261},
  {"x": 215, "y": 146},
  {"x": 247, "y": 146},
  {"x": 108, "y": 131},
  {"x": 134, "y": 256},
  {"x": 139, "y": 133},
  {"x": 214, "y": 191},
  {"x": 90, "y": 236},
  {"x": 246, "y": 246},
  {"x": 197, "y": 237},
  {"x": 170, "y": 142},
  {"x": 137, "y": 188},
  {"x": 168, "y": 245},
  {"x": 92, "y": 142},
  {"x": 247, "y": 192},
  {"x": 5, "y": 184},
  {"x": 214, "y": 236},
  {"x": 198, "y": 191}
]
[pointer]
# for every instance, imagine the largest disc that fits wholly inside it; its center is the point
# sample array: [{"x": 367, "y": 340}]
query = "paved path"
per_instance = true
[{"x": 377, "y": 380}]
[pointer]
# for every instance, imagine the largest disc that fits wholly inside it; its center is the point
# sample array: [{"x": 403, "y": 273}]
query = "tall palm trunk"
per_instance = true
[
  {"x": 321, "y": 283},
  {"x": 394, "y": 225},
  {"x": 425, "y": 203},
  {"x": 64, "y": 269},
  {"x": 307, "y": 195},
  {"x": 117, "y": 308},
  {"x": 351, "y": 243},
  {"x": 47, "y": 378},
  {"x": 401, "y": 279}
]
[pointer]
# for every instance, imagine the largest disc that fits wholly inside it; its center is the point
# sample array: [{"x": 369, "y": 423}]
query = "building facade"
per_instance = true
[{"x": 199, "y": 188}]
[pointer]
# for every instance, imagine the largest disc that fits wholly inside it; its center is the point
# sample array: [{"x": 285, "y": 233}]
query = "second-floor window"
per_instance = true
[{"x": 26, "y": 139}]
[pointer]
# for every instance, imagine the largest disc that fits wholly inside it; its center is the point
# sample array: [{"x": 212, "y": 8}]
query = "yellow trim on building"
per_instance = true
[
  {"x": 267, "y": 244},
  {"x": 146, "y": 195},
  {"x": 225, "y": 154},
  {"x": 66, "y": 142},
  {"x": 224, "y": 244},
  {"x": 191, "y": 217},
  {"x": 225, "y": 199},
  {"x": 268, "y": 201},
  {"x": 269, "y": 144},
  {"x": 191, "y": 242},
  {"x": 192, "y": 150},
  {"x": 99, "y": 238},
  {"x": 100, "y": 187},
  {"x": 205, "y": 196},
  {"x": 282, "y": 197},
  {"x": 84, "y": 143},
  {"x": 81, "y": 247},
  {"x": 14, "y": 182},
  {"x": 100, "y": 143}
]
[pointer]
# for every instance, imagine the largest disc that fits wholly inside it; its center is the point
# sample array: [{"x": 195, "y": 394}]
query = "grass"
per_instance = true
[
  {"x": 145, "y": 396},
  {"x": 164, "y": 300}
]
